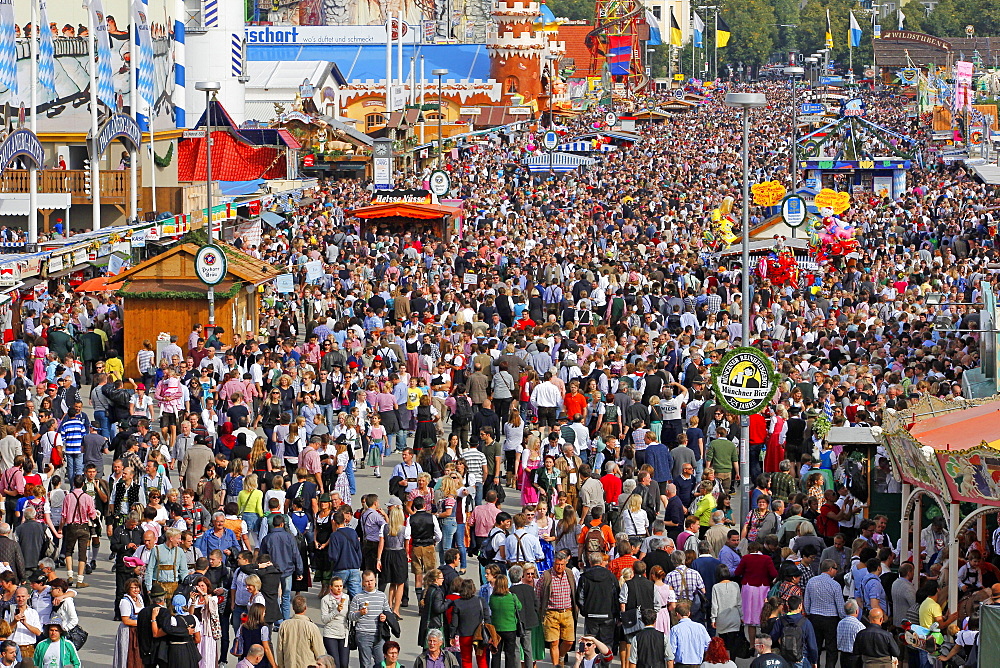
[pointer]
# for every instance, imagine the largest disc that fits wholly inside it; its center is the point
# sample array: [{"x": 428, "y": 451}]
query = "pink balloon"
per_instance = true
[{"x": 530, "y": 147}]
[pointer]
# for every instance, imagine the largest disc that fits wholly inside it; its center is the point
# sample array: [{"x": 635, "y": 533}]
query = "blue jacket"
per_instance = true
[
  {"x": 344, "y": 549},
  {"x": 659, "y": 457},
  {"x": 811, "y": 648},
  {"x": 284, "y": 551}
]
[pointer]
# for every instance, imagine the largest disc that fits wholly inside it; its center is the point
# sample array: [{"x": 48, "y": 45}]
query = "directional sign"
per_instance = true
[
  {"x": 812, "y": 108},
  {"x": 611, "y": 119},
  {"x": 793, "y": 210},
  {"x": 550, "y": 141},
  {"x": 440, "y": 183}
]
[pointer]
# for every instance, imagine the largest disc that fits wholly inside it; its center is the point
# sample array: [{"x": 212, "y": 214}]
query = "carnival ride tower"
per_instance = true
[{"x": 617, "y": 39}]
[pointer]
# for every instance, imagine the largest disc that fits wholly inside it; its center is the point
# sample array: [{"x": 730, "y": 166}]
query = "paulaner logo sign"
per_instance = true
[{"x": 744, "y": 381}]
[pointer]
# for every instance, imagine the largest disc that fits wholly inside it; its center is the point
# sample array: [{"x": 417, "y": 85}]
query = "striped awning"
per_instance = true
[
  {"x": 557, "y": 162},
  {"x": 576, "y": 146}
]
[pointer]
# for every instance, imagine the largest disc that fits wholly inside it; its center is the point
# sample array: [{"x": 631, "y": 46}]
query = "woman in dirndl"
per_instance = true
[
  {"x": 544, "y": 527},
  {"x": 182, "y": 645},
  {"x": 127, "y": 641},
  {"x": 323, "y": 531}
]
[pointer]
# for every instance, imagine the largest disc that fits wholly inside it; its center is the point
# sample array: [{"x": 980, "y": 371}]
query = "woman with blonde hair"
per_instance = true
[
  {"x": 530, "y": 459},
  {"x": 250, "y": 503},
  {"x": 635, "y": 521},
  {"x": 392, "y": 548},
  {"x": 446, "y": 503}
]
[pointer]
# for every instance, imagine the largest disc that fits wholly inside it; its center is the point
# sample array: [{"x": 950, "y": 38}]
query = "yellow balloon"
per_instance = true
[{"x": 727, "y": 205}]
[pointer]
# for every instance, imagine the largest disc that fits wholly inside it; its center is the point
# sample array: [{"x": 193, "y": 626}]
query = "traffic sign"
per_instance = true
[
  {"x": 210, "y": 265},
  {"x": 193, "y": 134},
  {"x": 793, "y": 210},
  {"x": 550, "y": 140},
  {"x": 611, "y": 119},
  {"x": 679, "y": 94},
  {"x": 812, "y": 108},
  {"x": 440, "y": 183}
]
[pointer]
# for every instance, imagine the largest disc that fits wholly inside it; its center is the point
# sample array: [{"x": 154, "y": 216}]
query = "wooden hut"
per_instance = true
[{"x": 163, "y": 294}]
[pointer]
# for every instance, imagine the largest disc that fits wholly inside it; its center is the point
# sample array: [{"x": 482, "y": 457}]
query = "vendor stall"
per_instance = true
[
  {"x": 410, "y": 210},
  {"x": 170, "y": 298},
  {"x": 946, "y": 453}
]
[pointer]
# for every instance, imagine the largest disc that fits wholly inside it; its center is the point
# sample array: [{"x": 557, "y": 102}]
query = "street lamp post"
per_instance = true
[
  {"x": 793, "y": 72},
  {"x": 440, "y": 73},
  {"x": 745, "y": 102},
  {"x": 811, "y": 62},
  {"x": 210, "y": 88}
]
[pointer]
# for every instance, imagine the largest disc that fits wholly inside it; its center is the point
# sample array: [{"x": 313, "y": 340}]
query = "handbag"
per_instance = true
[
  {"x": 78, "y": 636},
  {"x": 352, "y": 636},
  {"x": 485, "y": 635}
]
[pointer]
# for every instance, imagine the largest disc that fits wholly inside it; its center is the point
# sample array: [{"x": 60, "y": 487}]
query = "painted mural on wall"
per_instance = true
[
  {"x": 973, "y": 476},
  {"x": 468, "y": 18},
  {"x": 912, "y": 466},
  {"x": 69, "y": 109}
]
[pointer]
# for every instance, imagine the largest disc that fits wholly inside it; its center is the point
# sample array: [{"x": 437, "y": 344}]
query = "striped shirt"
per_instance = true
[
  {"x": 475, "y": 462},
  {"x": 824, "y": 597},
  {"x": 847, "y": 630},
  {"x": 377, "y": 604},
  {"x": 72, "y": 431}
]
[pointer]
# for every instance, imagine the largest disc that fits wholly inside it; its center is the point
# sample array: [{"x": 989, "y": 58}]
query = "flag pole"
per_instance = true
[
  {"x": 95, "y": 169},
  {"x": 150, "y": 114},
  {"x": 32, "y": 167},
  {"x": 715, "y": 66},
  {"x": 133, "y": 101}
]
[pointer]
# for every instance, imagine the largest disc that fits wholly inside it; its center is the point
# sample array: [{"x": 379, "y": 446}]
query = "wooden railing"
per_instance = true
[{"x": 114, "y": 184}]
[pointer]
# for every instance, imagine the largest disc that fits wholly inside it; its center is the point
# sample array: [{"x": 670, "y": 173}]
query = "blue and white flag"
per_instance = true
[
  {"x": 102, "y": 43},
  {"x": 699, "y": 31},
  {"x": 144, "y": 63},
  {"x": 654, "y": 29},
  {"x": 8, "y": 49},
  {"x": 855, "y": 32},
  {"x": 46, "y": 51}
]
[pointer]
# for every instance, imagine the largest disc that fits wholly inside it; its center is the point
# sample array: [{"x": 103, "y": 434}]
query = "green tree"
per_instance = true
[
  {"x": 947, "y": 19},
  {"x": 786, "y": 15},
  {"x": 754, "y": 29},
  {"x": 983, "y": 15},
  {"x": 574, "y": 10}
]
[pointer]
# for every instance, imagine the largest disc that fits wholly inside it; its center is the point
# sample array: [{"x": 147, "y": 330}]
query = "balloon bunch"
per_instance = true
[
  {"x": 779, "y": 267},
  {"x": 719, "y": 232},
  {"x": 830, "y": 238}
]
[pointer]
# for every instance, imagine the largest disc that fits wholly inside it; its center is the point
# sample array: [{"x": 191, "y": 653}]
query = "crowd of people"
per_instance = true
[{"x": 555, "y": 470}]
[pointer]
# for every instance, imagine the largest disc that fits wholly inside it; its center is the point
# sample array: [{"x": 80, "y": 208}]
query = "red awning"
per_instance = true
[
  {"x": 961, "y": 430},
  {"x": 406, "y": 210}
]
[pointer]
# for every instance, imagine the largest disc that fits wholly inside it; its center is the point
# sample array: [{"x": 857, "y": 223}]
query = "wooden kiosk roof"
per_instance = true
[{"x": 173, "y": 270}]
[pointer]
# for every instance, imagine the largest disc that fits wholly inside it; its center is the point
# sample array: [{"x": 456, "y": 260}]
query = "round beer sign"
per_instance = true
[{"x": 744, "y": 381}]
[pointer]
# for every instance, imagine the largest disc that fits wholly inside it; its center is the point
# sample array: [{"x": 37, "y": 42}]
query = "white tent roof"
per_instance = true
[{"x": 271, "y": 74}]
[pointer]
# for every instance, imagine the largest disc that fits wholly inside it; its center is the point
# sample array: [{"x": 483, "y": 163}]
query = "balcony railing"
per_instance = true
[{"x": 114, "y": 184}]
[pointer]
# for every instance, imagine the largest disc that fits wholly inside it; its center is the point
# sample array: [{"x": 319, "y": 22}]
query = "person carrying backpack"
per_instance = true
[
  {"x": 493, "y": 550},
  {"x": 795, "y": 637},
  {"x": 596, "y": 535}
]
